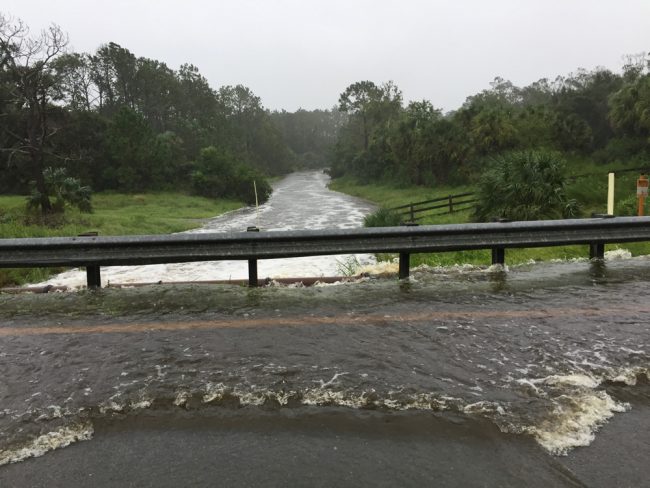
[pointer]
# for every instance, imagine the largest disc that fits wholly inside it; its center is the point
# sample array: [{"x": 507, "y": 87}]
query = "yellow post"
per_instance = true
[
  {"x": 641, "y": 193},
  {"x": 610, "y": 195}
]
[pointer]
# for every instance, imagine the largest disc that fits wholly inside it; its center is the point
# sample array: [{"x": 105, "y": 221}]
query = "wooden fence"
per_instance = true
[{"x": 412, "y": 212}]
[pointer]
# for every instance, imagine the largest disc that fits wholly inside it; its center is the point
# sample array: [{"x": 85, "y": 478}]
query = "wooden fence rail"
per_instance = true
[{"x": 451, "y": 203}]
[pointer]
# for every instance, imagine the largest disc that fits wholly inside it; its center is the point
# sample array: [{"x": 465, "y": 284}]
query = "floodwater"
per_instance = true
[
  {"x": 299, "y": 201},
  {"x": 536, "y": 375}
]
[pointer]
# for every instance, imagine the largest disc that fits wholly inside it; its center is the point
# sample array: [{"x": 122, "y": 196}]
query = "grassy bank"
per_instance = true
[
  {"x": 590, "y": 192},
  {"x": 114, "y": 214}
]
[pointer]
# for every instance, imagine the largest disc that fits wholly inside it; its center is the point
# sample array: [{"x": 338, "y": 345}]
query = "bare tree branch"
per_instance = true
[{"x": 28, "y": 63}]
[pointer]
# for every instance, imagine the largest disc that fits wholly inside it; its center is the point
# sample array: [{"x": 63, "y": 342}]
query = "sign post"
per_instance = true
[
  {"x": 610, "y": 194},
  {"x": 641, "y": 193}
]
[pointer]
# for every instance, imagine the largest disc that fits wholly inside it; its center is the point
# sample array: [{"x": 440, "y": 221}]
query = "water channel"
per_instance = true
[{"x": 299, "y": 201}]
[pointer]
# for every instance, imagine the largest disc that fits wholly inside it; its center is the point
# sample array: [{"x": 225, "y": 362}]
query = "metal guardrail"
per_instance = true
[
  {"x": 93, "y": 252},
  {"x": 452, "y": 203}
]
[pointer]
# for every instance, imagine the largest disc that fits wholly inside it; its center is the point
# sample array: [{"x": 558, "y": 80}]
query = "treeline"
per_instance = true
[
  {"x": 599, "y": 115},
  {"x": 116, "y": 121},
  {"x": 311, "y": 134}
]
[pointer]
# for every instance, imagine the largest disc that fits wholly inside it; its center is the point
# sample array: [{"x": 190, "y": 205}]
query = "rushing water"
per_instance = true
[
  {"x": 299, "y": 201},
  {"x": 550, "y": 352}
]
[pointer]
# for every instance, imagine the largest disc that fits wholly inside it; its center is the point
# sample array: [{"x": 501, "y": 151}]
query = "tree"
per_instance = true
[
  {"x": 218, "y": 174},
  {"x": 253, "y": 135},
  {"x": 78, "y": 90},
  {"x": 130, "y": 143},
  {"x": 630, "y": 108},
  {"x": 310, "y": 134},
  {"x": 370, "y": 105},
  {"x": 410, "y": 141},
  {"x": 363, "y": 148},
  {"x": 27, "y": 67},
  {"x": 580, "y": 103}
]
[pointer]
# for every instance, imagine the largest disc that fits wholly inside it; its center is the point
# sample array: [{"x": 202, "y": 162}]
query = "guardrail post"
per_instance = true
[
  {"x": 405, "y": 257},
  {"x": 498, "y": 255},
  {"x": 93, "y": 277},
  {"x": 404, "y": 264},
  {"x": 93, "y": 273},
  {"x": 596, "y": 250},
  {"x": 252, "y": 264}
]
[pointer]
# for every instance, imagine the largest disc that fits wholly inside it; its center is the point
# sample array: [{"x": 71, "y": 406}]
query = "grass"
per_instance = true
[
  {"x": 590, "y": 192},
  {"x": 114, "y": 214},
  {"x": 393, "y": 196}
]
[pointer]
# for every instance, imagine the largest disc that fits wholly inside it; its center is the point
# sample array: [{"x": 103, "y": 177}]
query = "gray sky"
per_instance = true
[{"x": 295, "y": 53}]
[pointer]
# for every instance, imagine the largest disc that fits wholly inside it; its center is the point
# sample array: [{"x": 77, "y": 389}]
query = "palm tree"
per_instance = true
[
  {"x": 524, "y": 185},
  {"x": 64, "y": 189}
]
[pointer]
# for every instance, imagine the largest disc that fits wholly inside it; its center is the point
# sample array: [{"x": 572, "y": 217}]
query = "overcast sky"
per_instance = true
[{"x": 295, "y": 53}]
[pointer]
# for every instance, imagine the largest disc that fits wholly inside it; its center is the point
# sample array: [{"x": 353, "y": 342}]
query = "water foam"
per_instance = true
[
  {"x": 617, "y": 254},
  {"x": 575, "y": 421},
  {"x": 574, "y": 379},
  {"x": 629, "y": 376},
  {"x": 57, "y": 439},
  {"x": 379, "y": 268},
  {"x": 579, "y": 409}
]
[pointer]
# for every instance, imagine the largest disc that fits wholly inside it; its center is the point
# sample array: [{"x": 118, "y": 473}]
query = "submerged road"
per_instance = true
[
  {"x": 348, "y": 319},
  {"x": 537, "y": 377},
  {"x": 324, "y": 446},
  {"x": 332, "y": 450}
]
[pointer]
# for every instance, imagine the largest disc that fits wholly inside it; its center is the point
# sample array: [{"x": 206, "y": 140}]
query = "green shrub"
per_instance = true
[
  {"x": 524, "y": 185},
  {"x": 627, "y": 207},
  {"x": 383, "y": 217},
  {"x": 65, "y": 190}
]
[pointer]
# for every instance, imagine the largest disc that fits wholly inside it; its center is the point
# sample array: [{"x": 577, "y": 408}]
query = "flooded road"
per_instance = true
[
  {"x": 546, "y": 353},
  {"x": 474, "y": 376}
]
